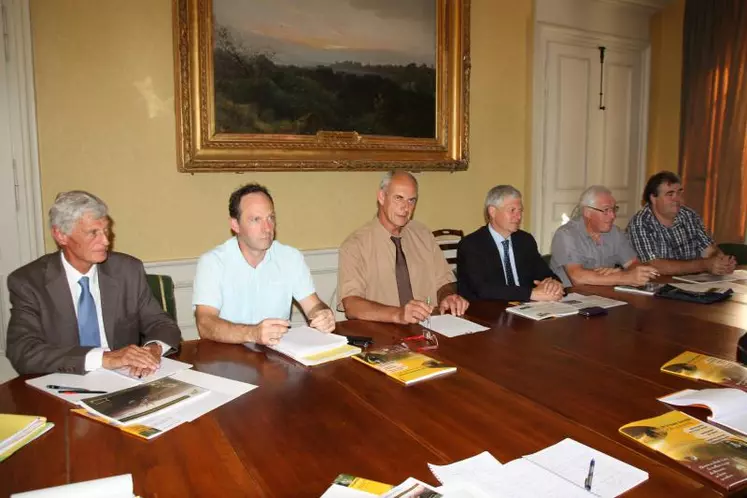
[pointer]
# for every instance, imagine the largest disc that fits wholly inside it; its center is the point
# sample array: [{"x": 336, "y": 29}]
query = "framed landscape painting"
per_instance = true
[{"x": 275, "y": 85}]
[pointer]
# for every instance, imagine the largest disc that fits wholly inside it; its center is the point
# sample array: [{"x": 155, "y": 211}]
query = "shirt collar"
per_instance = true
[
  {"x": 386, "y": 232},
  {"x": 73, "y": 276},
  {"x": 496, "y": 236}
]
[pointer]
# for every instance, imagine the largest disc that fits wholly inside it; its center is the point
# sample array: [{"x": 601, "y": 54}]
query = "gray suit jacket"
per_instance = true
[{"x": 43, "y": 329}]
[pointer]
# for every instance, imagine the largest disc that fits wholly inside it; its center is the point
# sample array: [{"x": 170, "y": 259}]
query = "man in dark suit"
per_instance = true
[
  {"x": 499, "y": 261},
  {"x": 82, "y": 307}
]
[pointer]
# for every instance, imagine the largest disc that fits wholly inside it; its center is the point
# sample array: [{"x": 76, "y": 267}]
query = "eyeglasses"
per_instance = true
[
  {"x": 606, "y": 211},
  {"x": 424, "y": 342}
]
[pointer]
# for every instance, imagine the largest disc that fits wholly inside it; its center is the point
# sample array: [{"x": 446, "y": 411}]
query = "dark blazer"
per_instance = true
[
  {"x": 43, "y": 329},
  {"x": 480, "y": 270}
]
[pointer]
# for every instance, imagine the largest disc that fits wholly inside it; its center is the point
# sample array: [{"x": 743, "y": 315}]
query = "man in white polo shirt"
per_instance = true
[{"x": 243, "y": 288}]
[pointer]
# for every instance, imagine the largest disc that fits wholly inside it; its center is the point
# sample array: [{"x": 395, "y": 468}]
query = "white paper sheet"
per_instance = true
[
  {"x": 167, "y": 368},
  {"x": 472, "y": 469},
  {"x": 222, "y": 390},
  {"x": 109, "y": 487},
  {"x": 98, "y": 380},
  {"x": 451, "y": 326}
]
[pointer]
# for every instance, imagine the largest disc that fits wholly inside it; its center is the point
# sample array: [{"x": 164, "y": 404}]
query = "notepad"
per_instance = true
[
  {"x": 728, "y": 406},
  {"x": 309, "y": 346},
  {"x": 16, "y": 431},
  {"x": 451, "y": 326}
]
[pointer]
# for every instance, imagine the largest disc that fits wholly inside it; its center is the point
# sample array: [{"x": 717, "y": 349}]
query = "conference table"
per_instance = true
[{"x": 519, "y": 387}]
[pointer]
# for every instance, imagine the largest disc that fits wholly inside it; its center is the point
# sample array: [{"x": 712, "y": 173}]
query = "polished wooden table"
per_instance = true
[{"x": 519, "y": 387}]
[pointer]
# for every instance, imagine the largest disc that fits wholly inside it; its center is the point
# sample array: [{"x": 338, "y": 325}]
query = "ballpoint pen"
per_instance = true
[
  {"x": 590, "y": 476},
  {"x": 428, "y": 320},
  {"x": 52, "y": 386},
  {"x": 79, "y": 391}
]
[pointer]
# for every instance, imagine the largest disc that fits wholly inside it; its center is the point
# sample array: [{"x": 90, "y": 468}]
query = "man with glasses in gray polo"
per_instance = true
[{"x": 591, "y": 250}]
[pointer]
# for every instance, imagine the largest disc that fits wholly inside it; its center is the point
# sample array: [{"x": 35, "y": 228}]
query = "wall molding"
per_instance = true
[{"x": 323, "y": 264}]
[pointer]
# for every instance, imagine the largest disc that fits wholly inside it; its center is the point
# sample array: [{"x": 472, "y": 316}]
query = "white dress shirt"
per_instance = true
[
  {"x": 498, "y": 238},
  {"x": 95, "y": 357}
]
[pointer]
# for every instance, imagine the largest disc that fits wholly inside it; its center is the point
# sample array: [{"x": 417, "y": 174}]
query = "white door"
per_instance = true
[{"x": 580, "y": 144}]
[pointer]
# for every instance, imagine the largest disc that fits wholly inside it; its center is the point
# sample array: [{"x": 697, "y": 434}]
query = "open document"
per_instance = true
[
  {"x": 561, "y": 470},
  {"x": 728, "y": 406},
  {"x": 567, "y": 306}
]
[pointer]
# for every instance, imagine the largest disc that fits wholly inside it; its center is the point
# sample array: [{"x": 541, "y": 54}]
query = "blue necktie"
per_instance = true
[
  {"x": 88, "y": 322},
  {"x": 507, "y": 264}
]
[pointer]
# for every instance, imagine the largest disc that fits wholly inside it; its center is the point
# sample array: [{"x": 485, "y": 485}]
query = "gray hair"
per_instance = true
[
  {"x": 71, "y": 206},
  {"x": 387, "y": 179},
  {"x": 589, "y": 198},
  {"x": 497, "y": 194}
]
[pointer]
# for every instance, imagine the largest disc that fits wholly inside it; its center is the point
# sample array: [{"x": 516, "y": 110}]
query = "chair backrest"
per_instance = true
[
  {"x": 448, "y": 239},
  {"x": 162, "y": 287},
  {"x": 739, "y": 251}
]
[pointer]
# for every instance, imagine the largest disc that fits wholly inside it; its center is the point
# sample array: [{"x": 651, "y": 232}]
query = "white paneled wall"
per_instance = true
[{"x": 322, "y": 263}]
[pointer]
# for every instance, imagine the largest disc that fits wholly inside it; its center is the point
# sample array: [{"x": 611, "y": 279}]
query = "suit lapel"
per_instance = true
[
  {"x": 62, "y": 300},
  {"x": 110, "y": 293}
]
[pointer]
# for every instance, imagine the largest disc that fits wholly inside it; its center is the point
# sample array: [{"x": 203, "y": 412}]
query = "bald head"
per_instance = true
[{"x": 397, "y": 197}]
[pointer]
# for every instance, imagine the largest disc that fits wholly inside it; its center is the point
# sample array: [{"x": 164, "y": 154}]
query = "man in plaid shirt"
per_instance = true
[{"x": 671, "y": 237}]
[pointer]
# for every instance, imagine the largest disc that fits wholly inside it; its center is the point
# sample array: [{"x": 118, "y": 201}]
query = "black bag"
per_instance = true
[{"x": 671, "y": 292}]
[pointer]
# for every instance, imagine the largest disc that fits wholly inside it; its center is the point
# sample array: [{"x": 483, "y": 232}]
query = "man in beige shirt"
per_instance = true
[{"x": 392, "y": 269}]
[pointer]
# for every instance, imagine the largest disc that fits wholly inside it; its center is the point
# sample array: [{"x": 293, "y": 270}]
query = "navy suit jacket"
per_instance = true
[{"x": 480, "y": 269}]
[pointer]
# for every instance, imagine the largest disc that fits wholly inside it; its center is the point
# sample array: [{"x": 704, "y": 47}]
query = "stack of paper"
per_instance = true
[
  {"x": 310, "y": 347},
  {"x": 18, "y": 430}
]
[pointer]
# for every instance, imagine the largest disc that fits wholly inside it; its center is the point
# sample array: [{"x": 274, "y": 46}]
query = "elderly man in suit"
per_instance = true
[
  {"x": 83, "y": 307},
  {"x": 499, "y": 261}
]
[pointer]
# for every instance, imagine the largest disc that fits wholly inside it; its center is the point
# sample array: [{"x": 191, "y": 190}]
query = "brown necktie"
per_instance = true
[{"x": 403, "y": 275}]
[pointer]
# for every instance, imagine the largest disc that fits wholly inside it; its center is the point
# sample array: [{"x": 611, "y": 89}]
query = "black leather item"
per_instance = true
[{"x": 671, "y": 292}]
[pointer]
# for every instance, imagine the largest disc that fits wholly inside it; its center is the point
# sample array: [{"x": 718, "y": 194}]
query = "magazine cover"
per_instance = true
[
  {"x": 711, "y": 452},
  {"x": 707, "y": 368},
  {"x": 403, "y": 365},
  {"x": 132, "y": 404}
]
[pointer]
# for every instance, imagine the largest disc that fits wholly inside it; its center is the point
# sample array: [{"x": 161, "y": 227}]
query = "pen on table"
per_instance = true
[
  {"x": 81, "y": 391},
  {"x": 590, "y": 476},
  {"x": 52, "y": 386}
]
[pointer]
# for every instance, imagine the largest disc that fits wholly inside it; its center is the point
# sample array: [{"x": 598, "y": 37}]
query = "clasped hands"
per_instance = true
[
  {"x": 721, "y": 264},
  {"x": 548, "y": 289},
  {"x": 416, "y": 311},
  {"x": 142, "y": 361}
]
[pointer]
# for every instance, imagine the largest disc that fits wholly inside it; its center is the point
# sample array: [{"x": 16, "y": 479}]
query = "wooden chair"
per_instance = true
[
  {"x": 162, "y": 287},
  {"x": 448, "y": 239}
]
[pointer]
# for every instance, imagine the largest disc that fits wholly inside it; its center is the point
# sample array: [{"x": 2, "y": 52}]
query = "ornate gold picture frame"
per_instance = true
[{"x": 249, "y": 134}]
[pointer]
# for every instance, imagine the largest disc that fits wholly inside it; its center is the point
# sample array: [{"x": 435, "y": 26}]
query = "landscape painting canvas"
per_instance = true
[
  {"x": 304, "y": 66},
  {"x": 321, "y": 85}
]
